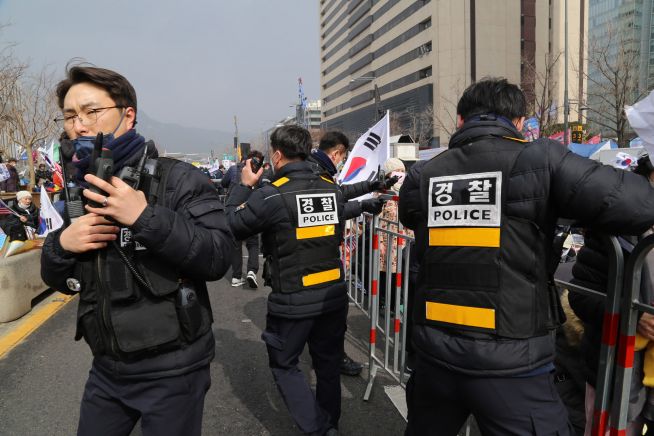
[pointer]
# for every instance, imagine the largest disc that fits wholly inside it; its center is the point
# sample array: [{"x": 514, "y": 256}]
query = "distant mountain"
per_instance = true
[{"x": 181, "y": 139}]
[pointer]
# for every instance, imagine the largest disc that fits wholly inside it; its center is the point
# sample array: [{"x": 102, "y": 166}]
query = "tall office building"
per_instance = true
[
  {"x": 625, "y": 29},
  {"x": 415, "y": 57}
]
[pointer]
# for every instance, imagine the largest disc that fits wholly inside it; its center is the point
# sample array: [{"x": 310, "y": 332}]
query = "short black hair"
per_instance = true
[
  {"x": 117, "y": 86},
  {"x": 492, "y": 95},
  {"x": 292, "y": 141},
  {"x": 333, "y": 139},
  {"x": 12, "y": 159}
]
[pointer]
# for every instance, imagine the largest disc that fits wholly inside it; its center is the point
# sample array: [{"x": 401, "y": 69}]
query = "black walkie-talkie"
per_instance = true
[
  {"x": 103, "y": 165},
  {"x": 104, "y": 169},
  {"x": 255, "y": 164}
]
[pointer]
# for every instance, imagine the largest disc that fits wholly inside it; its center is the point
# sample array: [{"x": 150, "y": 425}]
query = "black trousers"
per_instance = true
[
  {"x": 439, "y": 402},
  {"x": 285, "y": 340},
  {"x": 166, "y": 406},
  {"x": 252, "y": 244}
]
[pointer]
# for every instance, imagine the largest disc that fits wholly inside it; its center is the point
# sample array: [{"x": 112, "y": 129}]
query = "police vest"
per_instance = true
[
  {"x": 482, "y": 270},
  {"x": 120, "y": 317},
  {"x": 305, "y": 254}
]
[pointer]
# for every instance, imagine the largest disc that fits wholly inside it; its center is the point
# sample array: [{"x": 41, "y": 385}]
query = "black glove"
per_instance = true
[
  {"x": 390, "y": 181},
  {"x": 372, "y": 205},
  {"x": 379, "y": 185}
]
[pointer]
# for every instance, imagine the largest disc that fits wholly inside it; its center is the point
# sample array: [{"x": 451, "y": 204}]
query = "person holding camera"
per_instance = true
[
  {"x": 301, "y": 216},
  {"x": 232, "y": 178},
  {"x": 139, "y": 260}
]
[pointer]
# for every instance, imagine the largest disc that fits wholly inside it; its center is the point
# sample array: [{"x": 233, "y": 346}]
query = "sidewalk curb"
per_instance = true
[{"x": 32, "y": 321}]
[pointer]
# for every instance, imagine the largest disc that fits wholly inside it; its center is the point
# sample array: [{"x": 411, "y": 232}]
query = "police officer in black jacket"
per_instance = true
[
  {"x": 301, "y": 216},
  {"x": 139, "y": 261},
  {"x": 485, "y": 311}
]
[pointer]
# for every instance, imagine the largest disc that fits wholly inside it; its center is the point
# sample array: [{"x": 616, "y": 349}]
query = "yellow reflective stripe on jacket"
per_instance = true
[
  {"x": 315, "y": 231},
  {"x": 321, "y": 277},
  {"x": 327, "y": 180},
  {"x": 464, "y": 237},
  {"x": 461, "y": 315},
  {"x": 514, "y": 139},
  {"x": 279, "y": 182}
]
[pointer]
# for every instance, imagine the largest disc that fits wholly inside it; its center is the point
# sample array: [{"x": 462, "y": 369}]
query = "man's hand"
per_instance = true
[
  {"x": 646, "y": 326},
  {"x": 248, "y": 177},
  {"x": 122, "y": 203},
  {"x": 390, "y": 181},
  {"x": 372, "y": 205},
  {"x": 387, "y": 183},
  {"x": 88, "y": 232}
]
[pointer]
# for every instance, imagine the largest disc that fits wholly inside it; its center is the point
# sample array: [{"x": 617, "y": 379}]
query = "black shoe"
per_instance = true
[{"x": 350, "y": 367}]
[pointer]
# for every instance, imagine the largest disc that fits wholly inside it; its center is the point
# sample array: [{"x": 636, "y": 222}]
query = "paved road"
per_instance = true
[{"x": 41, "y": 380}]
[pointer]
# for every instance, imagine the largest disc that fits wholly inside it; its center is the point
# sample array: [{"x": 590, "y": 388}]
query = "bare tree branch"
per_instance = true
[{"x": 612, "y": 83}]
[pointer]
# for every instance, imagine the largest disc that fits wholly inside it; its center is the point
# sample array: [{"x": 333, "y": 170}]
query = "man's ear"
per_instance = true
[
  {"x": 519, "y": 123},
  {"x": 459, "y": 121},
  {"x": 130, "y": 116}
]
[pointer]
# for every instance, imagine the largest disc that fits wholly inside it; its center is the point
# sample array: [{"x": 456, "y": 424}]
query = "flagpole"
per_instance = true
[{"x": 566, "y": 102}]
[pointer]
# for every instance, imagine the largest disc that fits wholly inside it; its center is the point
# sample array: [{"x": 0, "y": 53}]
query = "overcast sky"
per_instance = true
[{"x": 196, "y": 63}]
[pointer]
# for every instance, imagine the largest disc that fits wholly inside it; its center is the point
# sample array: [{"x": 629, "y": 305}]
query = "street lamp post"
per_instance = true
[{"x": 376, "y": 95}]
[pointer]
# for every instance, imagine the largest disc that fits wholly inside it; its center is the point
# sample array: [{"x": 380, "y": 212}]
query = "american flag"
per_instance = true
[{"x": 6, "y": 210}]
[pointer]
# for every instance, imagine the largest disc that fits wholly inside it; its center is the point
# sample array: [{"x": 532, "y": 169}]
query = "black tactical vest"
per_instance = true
[
  {"x": 118, "y": 316},
  {"x": 305, "y": 255},
  {"x": 482, "y": 269}
]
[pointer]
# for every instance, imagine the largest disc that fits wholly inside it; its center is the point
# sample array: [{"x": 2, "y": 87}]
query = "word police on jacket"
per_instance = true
[
  {"x": 465, "y": 200},
  {"x": 316, "y": 209}
]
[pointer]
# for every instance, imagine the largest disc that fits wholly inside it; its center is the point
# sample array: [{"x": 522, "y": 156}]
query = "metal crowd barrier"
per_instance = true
[
  {"x": 603, "y": 387},
  {"x": 625, "y": 356},
  {"x": 391, "y": 329},
  {"x": 388, "y": 335},
  {"x": 388, "y": 325}
]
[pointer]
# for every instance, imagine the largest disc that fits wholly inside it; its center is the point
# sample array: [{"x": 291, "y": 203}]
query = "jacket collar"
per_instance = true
[
  {"x": 472, "y": 131},
  {"x": 293, "y": 167}
]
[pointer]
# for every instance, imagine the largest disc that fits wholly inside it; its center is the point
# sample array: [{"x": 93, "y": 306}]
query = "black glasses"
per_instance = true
[{"x": 87, "y": 117}]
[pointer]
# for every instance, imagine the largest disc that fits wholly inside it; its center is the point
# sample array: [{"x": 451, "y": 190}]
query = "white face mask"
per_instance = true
[{"x": 272, "y": 163}]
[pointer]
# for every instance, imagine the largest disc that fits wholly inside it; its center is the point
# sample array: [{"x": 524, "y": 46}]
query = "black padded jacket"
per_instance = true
[
  {"x": 262, "y": 210},
  {"x": 545, "y": 182},
  {"x": 191, "y": 234}
]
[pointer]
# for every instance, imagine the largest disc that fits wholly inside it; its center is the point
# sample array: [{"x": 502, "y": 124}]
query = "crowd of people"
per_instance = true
[{"x": 484, "y": 311}]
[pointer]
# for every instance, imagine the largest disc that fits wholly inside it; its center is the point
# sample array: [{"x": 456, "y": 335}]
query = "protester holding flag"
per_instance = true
[
  {"x": 29, "y": 213},
  {"x": 330, "y": 154},
  {"x": 18, "y": 218}
]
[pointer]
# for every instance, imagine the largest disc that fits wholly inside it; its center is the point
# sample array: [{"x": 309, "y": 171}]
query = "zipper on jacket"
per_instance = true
[{"x": 104, "y": 308}]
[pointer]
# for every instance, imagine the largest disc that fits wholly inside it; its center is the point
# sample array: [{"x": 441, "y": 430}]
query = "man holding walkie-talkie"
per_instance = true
[{"x": 143, "y": 236}]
